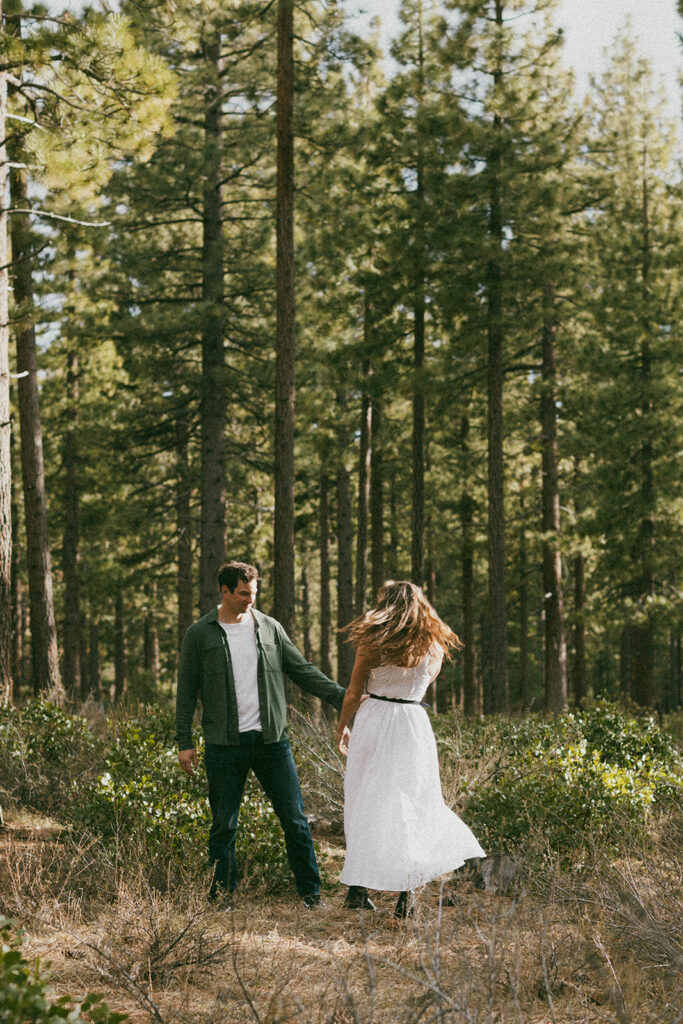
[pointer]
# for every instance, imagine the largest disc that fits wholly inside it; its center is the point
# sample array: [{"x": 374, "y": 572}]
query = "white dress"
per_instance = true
[{"x": 399, "y": 832}]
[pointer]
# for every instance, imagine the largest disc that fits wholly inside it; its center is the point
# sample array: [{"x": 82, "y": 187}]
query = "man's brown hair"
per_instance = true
[{"x": 230, "y": 574}]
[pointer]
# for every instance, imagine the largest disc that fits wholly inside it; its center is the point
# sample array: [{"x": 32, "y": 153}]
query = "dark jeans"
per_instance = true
[{"x": 227, "y": 768}]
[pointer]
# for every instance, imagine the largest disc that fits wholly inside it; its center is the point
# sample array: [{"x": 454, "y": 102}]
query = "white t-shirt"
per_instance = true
[{"x": 244, "y": 656}]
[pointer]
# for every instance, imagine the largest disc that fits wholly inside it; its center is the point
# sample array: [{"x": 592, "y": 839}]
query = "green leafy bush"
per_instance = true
[
  {"x": 141, "y": 799},
  {"x": 25, "y": 993},
  {"x": 581, "y": 778},
  {"x": 43, "y": 751}
]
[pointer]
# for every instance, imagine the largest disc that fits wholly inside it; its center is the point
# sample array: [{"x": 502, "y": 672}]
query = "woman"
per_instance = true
[{"x": 399, "y": 832}]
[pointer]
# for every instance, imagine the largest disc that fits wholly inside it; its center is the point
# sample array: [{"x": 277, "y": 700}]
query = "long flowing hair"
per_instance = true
[{"x": 401, "y": 628}]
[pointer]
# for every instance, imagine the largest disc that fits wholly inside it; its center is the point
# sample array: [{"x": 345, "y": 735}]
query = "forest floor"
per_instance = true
[{"x": 551, "y": 950}]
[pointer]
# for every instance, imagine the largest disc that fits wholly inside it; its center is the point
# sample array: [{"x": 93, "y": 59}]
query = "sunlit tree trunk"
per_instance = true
[
  {"x": 45, "y": 658},
  {"x": 71, "y": 539},
  {"x": 213, "y": 483},
  {"x": 285, "y": 360},
  {"x": 555, "y": 645},
  {"x": 5, "y": 462}
]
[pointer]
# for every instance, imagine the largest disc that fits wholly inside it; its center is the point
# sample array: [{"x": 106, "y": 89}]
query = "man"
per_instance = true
[{"x": 234, "y": 659}]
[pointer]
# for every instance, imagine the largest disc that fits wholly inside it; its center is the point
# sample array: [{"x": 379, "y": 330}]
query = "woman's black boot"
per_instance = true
[
  {"x": 357, "y": 898},
  {"x": 402, "y": 907}
]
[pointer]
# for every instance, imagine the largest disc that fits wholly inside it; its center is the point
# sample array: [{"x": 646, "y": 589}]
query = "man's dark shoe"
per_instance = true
[
  {"x": 313, "y": 901},
  {"x": 357, "y": 898}
]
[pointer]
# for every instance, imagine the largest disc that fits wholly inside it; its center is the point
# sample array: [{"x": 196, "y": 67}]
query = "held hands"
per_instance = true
[{"x": 187, "y": 759}]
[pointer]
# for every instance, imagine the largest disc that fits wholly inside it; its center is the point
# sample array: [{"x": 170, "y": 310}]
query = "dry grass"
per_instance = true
[{"x": 597, "y": 947}]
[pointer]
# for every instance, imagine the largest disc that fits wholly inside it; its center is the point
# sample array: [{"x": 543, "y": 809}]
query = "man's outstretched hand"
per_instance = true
[{"x": 187, "y": 759}]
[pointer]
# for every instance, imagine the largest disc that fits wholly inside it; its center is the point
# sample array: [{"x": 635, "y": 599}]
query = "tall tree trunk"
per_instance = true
[
  {"x": 523, "y": 617},
  {"x": 85, "y": 664},
  {"x": 364, "y": 457},
  {"x": 643, "y": 691},
  {"x": 285, "y": 361},
  {"x": 579, "y": 632},
  {"x": 94, "y": 660},
  {"x": 17, "y": 590},
  {"x": 120, "y": 652},
  {"x": 470, "y": 686},
  {"x": 213, "y": 482},
  {"x": 324, "y": 541},
  {"x": 45, "y": 658},
  {"x": 495, "y": 378},
  {"x": 183, "y": 531},
  {"x": 151, "y": 637},
  {"x": 555, "y": 645},
  {"x": 417, "y": 531},
  {"x": 71, "y": 538},
  {"x": 345, "y": 653},
  {"x": 5, "y": 462},
  {"x": 305, "y": 615},
  {"x": 376, "y": 502}
]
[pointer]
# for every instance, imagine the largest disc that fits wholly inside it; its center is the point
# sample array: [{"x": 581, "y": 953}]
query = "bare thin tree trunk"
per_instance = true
[
  {"x": 470, "y": 686},
  {"x": 94, "y": 660},
  {"x": 364, "y": 470},
  {"x": 17, "y": 655},
  {"x": 324, "y": 540},
  {"x": 644, "y": 685},
  {"x": 151, "y": 637},
  {"x": 495, "y": 379},
  {"x": 45, "y": 658},
  {"x": 376, "y": 502},
  {"x": 579, "y": 663},
  {"x": 555, "y": 644},
  {"x": 345, "y": 653},
  {"x": 285, "y": 361},
  {"x": 305, "y": 615},
  {"x": 71, "y": 538},
  {"x": 5, "y": 429},
  {"x": 213, "y": 482},
  {"x": 183, "y": 531},
  {"x": 120, "y": 652},
  {"x": 523, "y": 617}
]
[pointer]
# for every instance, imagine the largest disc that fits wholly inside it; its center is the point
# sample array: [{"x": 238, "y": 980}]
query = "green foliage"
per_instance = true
[
  {"x": 143, "y": 801},
  {"x": 581, "y": 778},
  {"x": 25, "y": 993},
  {"x": 43, "y": 751}
]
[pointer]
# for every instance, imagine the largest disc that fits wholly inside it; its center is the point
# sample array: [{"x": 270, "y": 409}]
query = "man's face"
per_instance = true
[{"x": 240, "y": 600}]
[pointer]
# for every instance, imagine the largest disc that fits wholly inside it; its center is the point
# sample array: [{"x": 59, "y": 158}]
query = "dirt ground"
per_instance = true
[{"x": 546, "y": 951}]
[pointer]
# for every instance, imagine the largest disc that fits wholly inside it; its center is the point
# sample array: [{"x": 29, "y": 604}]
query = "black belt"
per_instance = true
[{"x": 393, "y": 700}]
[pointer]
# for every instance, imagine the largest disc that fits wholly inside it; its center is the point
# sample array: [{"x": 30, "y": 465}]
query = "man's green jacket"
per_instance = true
[{"x": 205, "y": 672}]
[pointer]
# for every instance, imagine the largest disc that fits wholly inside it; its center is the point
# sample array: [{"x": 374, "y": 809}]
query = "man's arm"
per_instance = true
[
  {"x": 188, "y": 689},
  {"x": 307, "y": 676}
]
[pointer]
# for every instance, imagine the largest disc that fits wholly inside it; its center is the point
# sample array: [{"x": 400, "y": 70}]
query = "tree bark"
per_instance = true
[
  {"x": 45, "y": 658},
  {"x": 376, "y": 502},
  {"x": 18, "y": 611},
  {"x": 523, "y": 618},
  {"x": 470, "y": 686},
  {"x": 94, "y": 660},
  {"x": 324, "y": 541},
  {"x": 5, "y": 429},
  {"x": 151, "y": 637},
  {"x": 305, "y": 616},
  {"x": 71, "y": 538},
  {"x": 120, "y": 652},
  {"x": 213, "y": 476},
  {"x": 579, "y": 633},
  {"x": 345, "y": 653},
  {"x": 643, "y": 691},
  {"x": 285, "y": 362},
  {"x": 183, "y": 531},
  {"x": 500, "y": 699},
  {"x": 555, "y": 645},
  {"x": 364, "y": 470}
]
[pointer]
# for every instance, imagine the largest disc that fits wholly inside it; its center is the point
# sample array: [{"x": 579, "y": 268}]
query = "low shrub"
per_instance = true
[
  {"x": 142, "y": 801},
  {"x": 582, "y": 778},
  {"x": 43, "y": 752},
  {"x": 25, "y": 993}
]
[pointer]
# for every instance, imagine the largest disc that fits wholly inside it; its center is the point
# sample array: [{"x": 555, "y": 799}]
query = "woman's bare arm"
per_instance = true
[{"x": 353, "y": 698}]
